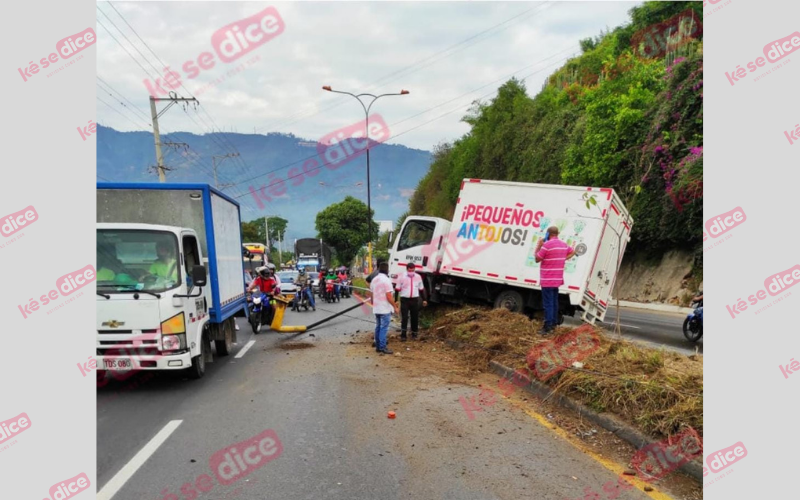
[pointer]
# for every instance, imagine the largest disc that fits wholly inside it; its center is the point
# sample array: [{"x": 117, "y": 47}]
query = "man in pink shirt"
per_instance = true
[{"x": 553, "y": 254}]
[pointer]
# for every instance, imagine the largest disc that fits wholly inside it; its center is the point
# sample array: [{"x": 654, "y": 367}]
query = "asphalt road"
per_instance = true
[
  {"x": 653, "y": 328},
  {"x": 326, "y": 400}
]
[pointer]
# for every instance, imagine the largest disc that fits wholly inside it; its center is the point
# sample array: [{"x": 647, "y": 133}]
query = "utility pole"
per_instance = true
[
  {"x": 280, "y": 251},
  {"x": 266, "y": 228},
  {"x": 174, "y": 99},
  {"x": 214, "y": 162}
]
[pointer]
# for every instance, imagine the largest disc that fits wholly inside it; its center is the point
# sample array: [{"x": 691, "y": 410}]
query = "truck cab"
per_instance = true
[
  {"x": 423, "y": 241},
  {"x": 152, "y": 300}
]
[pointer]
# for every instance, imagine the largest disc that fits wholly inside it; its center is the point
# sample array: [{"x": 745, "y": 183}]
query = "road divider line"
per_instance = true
[
  {"x": 118, "y": 481},
  {"x": 244, "y": 349}
]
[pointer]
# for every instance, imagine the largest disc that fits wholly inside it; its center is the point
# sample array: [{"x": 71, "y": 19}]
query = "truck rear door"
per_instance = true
[{"x": 616, "y": 234}]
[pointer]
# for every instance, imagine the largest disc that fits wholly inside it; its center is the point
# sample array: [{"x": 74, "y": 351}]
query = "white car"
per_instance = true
[{"x": 288, "y": 279}]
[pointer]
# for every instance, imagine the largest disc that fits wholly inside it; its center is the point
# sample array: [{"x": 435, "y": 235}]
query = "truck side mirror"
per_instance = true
[
  {"x": 199, "y": 275},
  {"x": 391, "y": 237}
]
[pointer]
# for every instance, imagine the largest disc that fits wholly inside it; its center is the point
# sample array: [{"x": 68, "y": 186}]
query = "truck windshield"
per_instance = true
[
  {"x": 130, "y": 260},
  {"x": 416, "y": 233}
]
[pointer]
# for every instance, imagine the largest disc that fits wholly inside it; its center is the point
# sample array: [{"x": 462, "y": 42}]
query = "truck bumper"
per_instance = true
[{"x": 160, "y": 362}]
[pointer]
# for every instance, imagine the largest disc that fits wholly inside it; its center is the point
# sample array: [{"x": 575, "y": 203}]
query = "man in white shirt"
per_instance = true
[
  {"x": 383, "y": 305},
  {"x": 411, "y": 291}
]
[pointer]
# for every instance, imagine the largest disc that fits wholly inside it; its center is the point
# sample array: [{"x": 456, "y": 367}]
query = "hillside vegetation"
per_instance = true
[{"x": 609, "y": 118}]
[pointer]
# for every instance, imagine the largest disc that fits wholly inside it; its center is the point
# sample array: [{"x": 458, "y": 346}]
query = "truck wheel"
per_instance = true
[
  {"x": 224, "y": 346},
  {"x": 509, "y": 299},
  {"x": 198, "y": 368}
]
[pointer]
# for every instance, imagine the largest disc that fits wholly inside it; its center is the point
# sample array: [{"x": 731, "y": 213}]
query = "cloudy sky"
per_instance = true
[{"x": 446, "y": 54}]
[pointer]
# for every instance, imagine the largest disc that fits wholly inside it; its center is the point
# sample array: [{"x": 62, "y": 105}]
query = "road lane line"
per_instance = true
[
  {"x": 118, "y": 481},
  {"x": 244, "y": 349}
]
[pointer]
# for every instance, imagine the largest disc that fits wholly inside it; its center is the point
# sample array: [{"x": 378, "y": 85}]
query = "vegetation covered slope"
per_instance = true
[{"x": 609, "y": 118}]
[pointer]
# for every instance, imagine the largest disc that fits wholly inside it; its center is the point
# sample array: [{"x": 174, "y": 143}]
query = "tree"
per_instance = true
[
  {"x": 254, "y": 232},
  {"x": 381, "y": 251},
  {"x": 344, "y": 227}
]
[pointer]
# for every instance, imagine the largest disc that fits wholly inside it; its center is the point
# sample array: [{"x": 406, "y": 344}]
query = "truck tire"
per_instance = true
[
  {"x": 224, "y": 346},
  {"x": 511, "y": 300},
  {"x": 198, "y": 368}
]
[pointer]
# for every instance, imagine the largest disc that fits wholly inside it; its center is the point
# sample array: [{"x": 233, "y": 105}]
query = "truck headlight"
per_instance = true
[{"x": 172, "y": 342}]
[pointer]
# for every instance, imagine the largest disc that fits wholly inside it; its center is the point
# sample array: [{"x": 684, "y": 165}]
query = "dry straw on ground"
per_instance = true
[{"x": 658, "y": 391}]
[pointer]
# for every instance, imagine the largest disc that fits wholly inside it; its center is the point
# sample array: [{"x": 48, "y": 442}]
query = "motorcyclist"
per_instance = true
[
  {"x": 303, "y": 281},
  {"x": 275, "y": 276},
  {"x": 264, "y": 281},
  {"x": 321, "y": 282},
  {"x": 342, "y": 275},
  {"x": 699, "y": 298},
  {"x": 332, "y": 276}
]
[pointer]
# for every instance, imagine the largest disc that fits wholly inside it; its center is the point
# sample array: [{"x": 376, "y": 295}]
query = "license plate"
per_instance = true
[{"x": 118, "y": 364}]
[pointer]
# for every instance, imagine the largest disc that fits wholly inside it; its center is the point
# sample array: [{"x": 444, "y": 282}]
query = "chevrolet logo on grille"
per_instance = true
[{"x": 113, "y": 323}]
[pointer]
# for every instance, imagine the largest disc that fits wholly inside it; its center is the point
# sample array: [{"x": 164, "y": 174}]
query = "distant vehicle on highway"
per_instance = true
[{"x": 288, "y": 282}]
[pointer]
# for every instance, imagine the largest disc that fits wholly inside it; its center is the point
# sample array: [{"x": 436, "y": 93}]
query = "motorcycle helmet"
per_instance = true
[
  {"x": 271, "y": 267},
  {"x": 263, "y": 271},
  {"x": 302, "y": 271}
]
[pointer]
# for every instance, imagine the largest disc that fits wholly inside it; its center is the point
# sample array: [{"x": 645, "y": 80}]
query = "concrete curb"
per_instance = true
[
  {"x": 605, "y": 420},
  {"x": 611, "y": 423},
  {"x": 652, "y": 307}
]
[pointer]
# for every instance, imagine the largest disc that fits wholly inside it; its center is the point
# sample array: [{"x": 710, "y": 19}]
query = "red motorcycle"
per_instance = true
[{"x": 331, "y": 294}]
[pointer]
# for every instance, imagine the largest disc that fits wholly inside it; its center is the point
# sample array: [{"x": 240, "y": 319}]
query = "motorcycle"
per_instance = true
[
  {"x": 330, "y": 291},
  {"x": 693, "y": 324},
  {"x": 301, "y": 299},
  {"x": 261, "y": 310},
  {"x": 345, "y": 288}
]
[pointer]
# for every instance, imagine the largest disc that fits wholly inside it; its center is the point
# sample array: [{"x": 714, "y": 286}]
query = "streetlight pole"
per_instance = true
[{"x": 366, "y": 133}]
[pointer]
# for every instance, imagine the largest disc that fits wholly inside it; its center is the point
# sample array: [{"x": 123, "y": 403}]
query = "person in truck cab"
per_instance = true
[{"x": 166, "y": 266}]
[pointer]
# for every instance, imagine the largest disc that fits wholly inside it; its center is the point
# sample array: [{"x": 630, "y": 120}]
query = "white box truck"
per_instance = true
[
  {"x": 157, "y": 246},
  {"x": 487, "y": 252}
]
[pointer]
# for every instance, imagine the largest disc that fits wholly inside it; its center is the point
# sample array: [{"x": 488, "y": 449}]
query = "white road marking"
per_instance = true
[
  {"x": 244, "y": 349},
  {"x": 118, "y": 481}
]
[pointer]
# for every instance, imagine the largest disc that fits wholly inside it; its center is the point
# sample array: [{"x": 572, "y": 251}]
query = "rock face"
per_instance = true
[{"x": 664, "y": 280}]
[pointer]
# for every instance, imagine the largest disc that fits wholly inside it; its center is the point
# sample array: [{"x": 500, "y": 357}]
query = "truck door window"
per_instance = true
[
  {"x": 416, "y": 233},
  {"x": 191, "y": 256}
]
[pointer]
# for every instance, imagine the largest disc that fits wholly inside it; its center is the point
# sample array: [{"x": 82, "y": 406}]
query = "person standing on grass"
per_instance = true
[
  {"x": 411, "y": 290},
  {"x": 553, "y": 254},
  {"x": 383, "y": 305}
]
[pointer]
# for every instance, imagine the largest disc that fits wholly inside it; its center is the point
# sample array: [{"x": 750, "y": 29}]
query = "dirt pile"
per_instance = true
[{"x": 658, "y": 391}]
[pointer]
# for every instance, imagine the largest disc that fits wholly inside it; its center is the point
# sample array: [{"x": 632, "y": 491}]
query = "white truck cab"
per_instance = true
[{"x": 152, "y": 303}]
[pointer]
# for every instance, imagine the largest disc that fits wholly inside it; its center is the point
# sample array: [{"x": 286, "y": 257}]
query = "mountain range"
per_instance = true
[{"x": 254, "y": 177}]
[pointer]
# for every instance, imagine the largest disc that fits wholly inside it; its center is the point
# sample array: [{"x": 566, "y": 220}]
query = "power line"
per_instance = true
[
  {"x": 408, "y": 130},
  {"x": 387, "y": 78}
]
